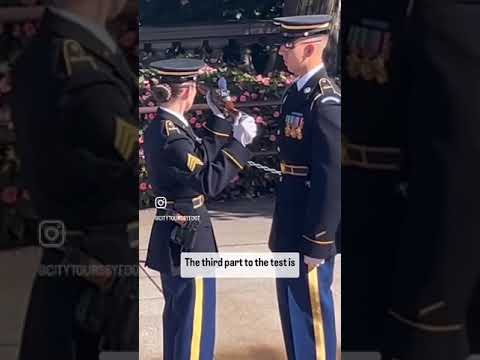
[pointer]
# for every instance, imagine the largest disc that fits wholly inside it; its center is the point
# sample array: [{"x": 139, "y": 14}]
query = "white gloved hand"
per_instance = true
[
  {"x": 313, "y": 261},
  {"x": 244, "y": 129},
  {"x": 213, "y": 107}
]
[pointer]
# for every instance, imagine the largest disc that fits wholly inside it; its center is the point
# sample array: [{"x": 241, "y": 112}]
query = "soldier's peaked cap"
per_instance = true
[
  {"x": 178, "y": 70},
  {"x": 304, "y": 26}
]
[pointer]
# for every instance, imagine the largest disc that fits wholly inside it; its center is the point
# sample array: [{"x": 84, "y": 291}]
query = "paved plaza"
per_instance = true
[{"x": 248, "y": 326}]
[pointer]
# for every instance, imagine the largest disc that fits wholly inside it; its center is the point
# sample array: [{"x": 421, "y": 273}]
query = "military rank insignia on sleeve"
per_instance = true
[
  {"x": 193, "y": 162},
  {"x": 126, "y": 137},
  {"x": 74, "y": 54}
]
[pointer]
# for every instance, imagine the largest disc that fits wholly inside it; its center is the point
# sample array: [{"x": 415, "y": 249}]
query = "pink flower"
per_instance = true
[
  {"x": 9, "y": 195},
  {"x": 246, "y": 93},
  {"x": 198, "y": 125},
  {"x": 151, "y": 103},
  {"x": 266, "y": 81},
  {"x": 272, "y": 138},
  {"x": 276, "y": 114},
  {"x": 254, "y": 96},
  {"x": 193, "y": 120},
  {"x": 243, "y": 98},
  {"x": 143, "y": 186},
  {"x": 289, "y": 82},
  {"x": 234, "y": 98},
  {"x": 151, "y": 116},
  {"x": 259, "y": 78},
  {"x": 140, "y": 139}
]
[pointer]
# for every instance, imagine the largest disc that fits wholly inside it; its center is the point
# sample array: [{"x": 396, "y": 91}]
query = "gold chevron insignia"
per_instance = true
[
  {"x": 126, "y": 137},
  {"x": 192, "y": 162}
]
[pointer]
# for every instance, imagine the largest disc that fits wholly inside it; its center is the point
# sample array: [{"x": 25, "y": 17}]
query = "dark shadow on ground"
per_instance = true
[
  {"x": 249, "y": 353},
  {"x": 253, "y": 353},
  {"x": 242, "y": 208}
]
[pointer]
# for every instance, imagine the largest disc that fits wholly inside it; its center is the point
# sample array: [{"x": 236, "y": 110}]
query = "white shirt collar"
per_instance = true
[
  {"x": 303, "y": 80},
  {"x": 98, "y": 31},
  {"x": 177, "y": 115}
]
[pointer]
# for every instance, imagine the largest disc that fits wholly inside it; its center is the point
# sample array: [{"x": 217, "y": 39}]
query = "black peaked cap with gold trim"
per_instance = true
[
  {"x": 178, "y": 70},
  {"x": 294, "y": 27}
]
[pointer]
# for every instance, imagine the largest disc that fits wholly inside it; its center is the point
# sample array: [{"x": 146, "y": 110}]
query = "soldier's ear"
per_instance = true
[
  {"x": 309, "y": 50},
  {"x": 183, "y": 92}
]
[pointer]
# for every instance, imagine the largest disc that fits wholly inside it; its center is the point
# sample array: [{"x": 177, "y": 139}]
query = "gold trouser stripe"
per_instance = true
[
  {"x": 197, "y": 320},
  {"x": 216, "y": 132},
  {"x": 235, "y": 161},
  {"x": 132, "y": 225},
  {"x": 314, "y": 291}
]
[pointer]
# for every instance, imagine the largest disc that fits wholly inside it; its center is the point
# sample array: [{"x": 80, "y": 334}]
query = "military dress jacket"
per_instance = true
[
  {"x": 184, "y": 169},
  {"x": 308, "y": 209},
  {"x": 435, "y": 309},
  {"x": 74, "y": 107}
]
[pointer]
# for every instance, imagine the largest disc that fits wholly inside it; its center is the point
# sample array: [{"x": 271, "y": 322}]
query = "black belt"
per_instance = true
[
  {"x": 373, "y": 158},
  {"x": 197, "y": 201}
]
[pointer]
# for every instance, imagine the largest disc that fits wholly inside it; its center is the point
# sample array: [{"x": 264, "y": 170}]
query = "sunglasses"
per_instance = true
[{"x": 291, "y": 44}]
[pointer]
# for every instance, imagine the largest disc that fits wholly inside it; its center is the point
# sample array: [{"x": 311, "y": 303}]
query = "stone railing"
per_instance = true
[
  {"x": 192, "y": 36},
  {"x": 148, "y": 110}
]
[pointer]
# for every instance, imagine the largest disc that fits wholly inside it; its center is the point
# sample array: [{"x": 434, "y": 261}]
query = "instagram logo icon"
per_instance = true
[
  {"x": 51, "y": 233},
  {"x": 160, "y": 202}
]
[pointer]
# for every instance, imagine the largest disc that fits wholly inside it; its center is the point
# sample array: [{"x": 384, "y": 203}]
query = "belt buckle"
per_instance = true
[{"x": 198, "y": 201}]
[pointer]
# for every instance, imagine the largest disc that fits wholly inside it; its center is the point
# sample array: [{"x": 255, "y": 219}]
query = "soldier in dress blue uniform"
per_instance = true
[
  {"x": 435, "y": 307},
  {"x": 74, "y": 106},
  {"x": 307, "y": 210},
  {"x": 184, "y": 169},
  {"x": 406, "y": 292},
  {"x": 375, "y": 85}
]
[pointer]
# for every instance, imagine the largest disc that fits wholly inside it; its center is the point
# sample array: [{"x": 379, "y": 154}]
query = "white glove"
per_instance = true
[
  {"x": 244, "y": 129},
  {"x": 213, "y": 107},
  {"x": 313, "y": 261}
]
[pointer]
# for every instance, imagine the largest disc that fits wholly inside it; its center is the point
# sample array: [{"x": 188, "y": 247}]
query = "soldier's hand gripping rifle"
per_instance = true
[
  {"x": 220, "y": 101},
  {"x": 221, "y": 104}
]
